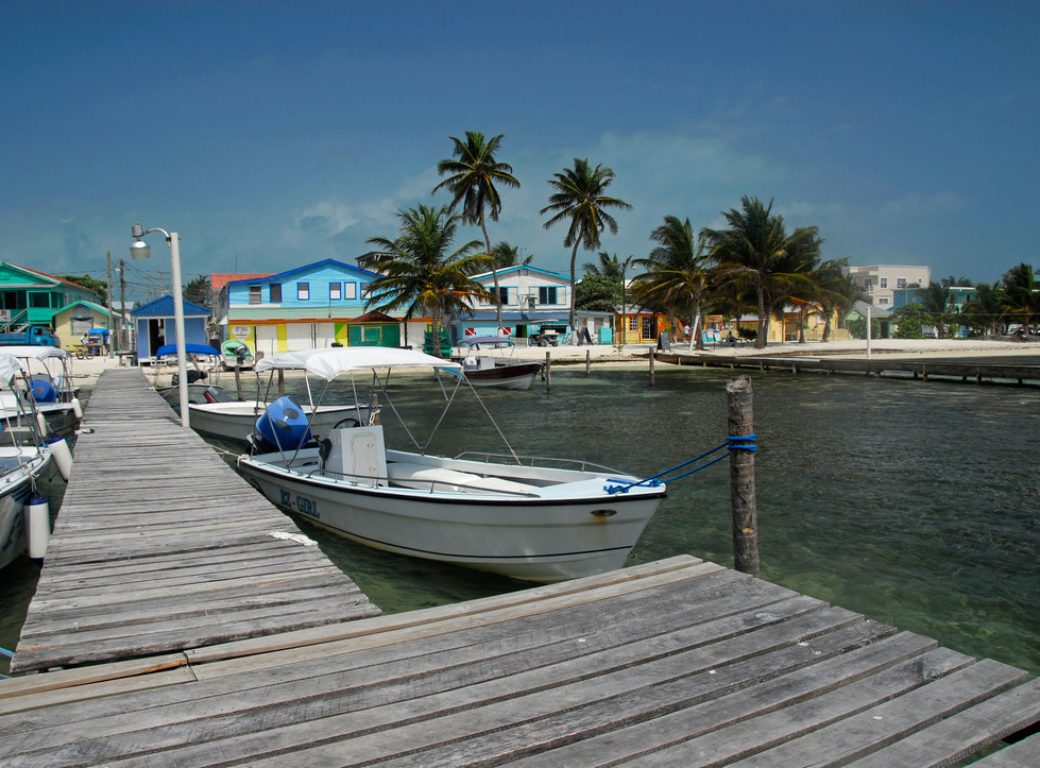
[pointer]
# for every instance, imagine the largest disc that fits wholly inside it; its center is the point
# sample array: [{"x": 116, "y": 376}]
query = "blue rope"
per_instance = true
[
  {"x": 7, "y": 653},
  {"x": 747, "y": 443}
]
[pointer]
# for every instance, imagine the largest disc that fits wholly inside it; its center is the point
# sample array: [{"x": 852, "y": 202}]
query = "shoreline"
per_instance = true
[{"x": 85, "y": 372}]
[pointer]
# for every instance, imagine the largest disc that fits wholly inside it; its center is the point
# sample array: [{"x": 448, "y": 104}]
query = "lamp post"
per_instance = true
[{"x": 139, "y": 250}]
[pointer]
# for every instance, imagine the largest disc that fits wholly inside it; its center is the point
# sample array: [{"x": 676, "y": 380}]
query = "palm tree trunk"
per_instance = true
[
  {"x": 570, "y": 318},
  {"x": 697, "y": 340},
  {"x": 801, "y": 325},
  {"x": 494, "y": 273},
  {"x": 763, "y": 320}
]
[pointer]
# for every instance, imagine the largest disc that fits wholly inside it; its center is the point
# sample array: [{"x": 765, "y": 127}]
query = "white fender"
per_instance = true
[
  {"x": 38, "y": 512},
  {"x": 61, "y": 454},
  {"x": 41, "y": 425},
  {"x": 77, "y": 408}
]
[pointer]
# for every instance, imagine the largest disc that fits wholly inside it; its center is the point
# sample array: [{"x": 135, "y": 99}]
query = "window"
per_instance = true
[
  {"x": 335, "y": 291},
  {"x": 276, "y": 293},
  {"x": 547, "y": 294},
  {"x": 882, "y": 300},
  {"x": 350, "y": 290},
  {"x": 254, "y": 294},
  {"x": 503, "y": 295},
  {"x": 868, "y": 284},
  {"x": 303, "y": 291},
  {"x": 633, "y": 323},
  {"x": 900, "y": 282},
  {"x": 884, "y": 282},
  {"x": 39, "y": 300}
]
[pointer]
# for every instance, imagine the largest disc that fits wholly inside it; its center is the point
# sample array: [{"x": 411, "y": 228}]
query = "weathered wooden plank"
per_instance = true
[
  {"x": 638, "y": 725},
  {"x": 830, "y": 732},
  {"x": 527, "y": 602},
  {"x": 509, "y": 687},
  {"x": 955, "y": 738},
  {"x": 1022, "y": 754}
]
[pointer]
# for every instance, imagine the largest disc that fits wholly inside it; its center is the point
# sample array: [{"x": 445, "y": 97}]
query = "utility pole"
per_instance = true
[
  {"x": 108, "y": 302},
  {"x": 122, "y": 305}
]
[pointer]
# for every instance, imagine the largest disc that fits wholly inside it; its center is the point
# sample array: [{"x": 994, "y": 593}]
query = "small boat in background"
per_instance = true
[
  {"x": 489, "y": 370},
  {"x": 235, "y": 354},
  {"x": 202, "y": 360}
]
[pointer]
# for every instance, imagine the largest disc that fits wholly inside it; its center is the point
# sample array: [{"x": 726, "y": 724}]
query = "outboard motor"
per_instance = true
[
  {"x": 283, "y": 426},
  {"x": 193, "y": 377}
]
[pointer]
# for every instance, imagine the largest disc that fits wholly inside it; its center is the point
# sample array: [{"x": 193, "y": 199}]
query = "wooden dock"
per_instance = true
[
  {"x": 678, "y": 662},
  {"x": 159, "y": 546},
  {"x": 924, "y": 370}
]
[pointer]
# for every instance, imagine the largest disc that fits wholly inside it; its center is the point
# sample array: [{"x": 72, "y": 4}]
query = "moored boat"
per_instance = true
[
  {"x": 532, "y": 519},
  {"x": 490, "y": 370},
  {"x": 21, "y": 463}
]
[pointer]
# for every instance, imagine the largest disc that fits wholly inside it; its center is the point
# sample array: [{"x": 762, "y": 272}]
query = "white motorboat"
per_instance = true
[
  {"x": 47, "y": 391},
  {"x": 490, "y": 370},
  {"x": 530, "y": 519},
  {"x": 236, "y": 420},
  {"x": 21, "y": 463}
]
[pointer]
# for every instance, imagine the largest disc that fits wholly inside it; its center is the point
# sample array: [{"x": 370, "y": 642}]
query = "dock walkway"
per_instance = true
[
  {"x": 988, "y": 372},
  {"x": 679, "y": 662}
]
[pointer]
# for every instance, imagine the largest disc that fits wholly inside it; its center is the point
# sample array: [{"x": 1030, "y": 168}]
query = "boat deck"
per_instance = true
[{"x": 678, "y": 662}]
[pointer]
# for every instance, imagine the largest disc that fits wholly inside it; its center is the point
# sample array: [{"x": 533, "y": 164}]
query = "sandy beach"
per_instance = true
[{"x": 86, "y": 372}]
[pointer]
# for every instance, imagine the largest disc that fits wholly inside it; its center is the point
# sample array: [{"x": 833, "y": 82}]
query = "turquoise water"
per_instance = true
[{"x": 913, "y": 503}]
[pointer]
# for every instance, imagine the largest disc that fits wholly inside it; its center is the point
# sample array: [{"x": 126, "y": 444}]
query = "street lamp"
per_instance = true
[{"x": 139, "y": 250}]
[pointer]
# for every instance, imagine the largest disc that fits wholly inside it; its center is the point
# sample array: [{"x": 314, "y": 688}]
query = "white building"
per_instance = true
[{"x": 884, "y": 282}]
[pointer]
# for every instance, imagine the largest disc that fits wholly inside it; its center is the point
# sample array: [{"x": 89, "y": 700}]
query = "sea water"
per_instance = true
[{"x": 916, "y": 504}]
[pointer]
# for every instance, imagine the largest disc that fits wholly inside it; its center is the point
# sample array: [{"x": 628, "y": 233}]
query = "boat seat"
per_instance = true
[{"x": 422, "y": 476}]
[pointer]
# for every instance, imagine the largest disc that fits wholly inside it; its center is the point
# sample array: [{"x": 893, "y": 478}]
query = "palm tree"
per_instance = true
[
  {"x": 837, "y": 291},
  {"x": 756, "y": 252},
  {"x": 420, "y": 273},
  {"x": 474, "y": 173},
  {"x": 580, "y": 198},
  {"x": 985, "y": 309},
  {"x": 936, "y": 302},
  {"x": 609, "y": 265},
  {"x": 1022, "y": 295},
  {"x": 507, "y": 255},
  {"x": 678, "y": 274}
]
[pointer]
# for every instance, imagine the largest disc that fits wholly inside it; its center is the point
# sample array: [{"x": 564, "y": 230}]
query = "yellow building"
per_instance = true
[{"x": 73, "y": 321}]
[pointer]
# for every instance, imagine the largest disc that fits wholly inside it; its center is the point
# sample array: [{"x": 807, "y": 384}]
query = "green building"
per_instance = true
[{"x": 31, "y": 297}]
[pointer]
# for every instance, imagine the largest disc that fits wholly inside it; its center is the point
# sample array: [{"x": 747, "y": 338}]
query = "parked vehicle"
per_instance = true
[{"x": 31, "y": 334}]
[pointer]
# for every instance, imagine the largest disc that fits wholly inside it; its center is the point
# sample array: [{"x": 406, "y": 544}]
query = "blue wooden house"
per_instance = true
[
  {"x": 155, "y": 325},
  {"x": 315, "y": 305}
]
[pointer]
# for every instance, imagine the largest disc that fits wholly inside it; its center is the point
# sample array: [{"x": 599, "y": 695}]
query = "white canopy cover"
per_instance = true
[
  {"x": 33, "y": 351},
  {"x": 9, "y": 368},
  {"x": 330, "y": 363}
]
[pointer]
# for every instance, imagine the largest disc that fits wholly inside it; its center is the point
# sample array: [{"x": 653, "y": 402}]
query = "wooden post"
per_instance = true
[
  {"x": 742, "y": 477},
  {"x": 652, "y": 351},
  {"x": 548, "y": 373},
  {"x": 281, "y": 382},
  {"x": 238, "y": 380},
  {"x": 588, "y": 361}
]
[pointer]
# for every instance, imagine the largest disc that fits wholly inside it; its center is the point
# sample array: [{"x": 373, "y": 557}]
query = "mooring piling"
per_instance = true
[{"x": 742, "y": 475}]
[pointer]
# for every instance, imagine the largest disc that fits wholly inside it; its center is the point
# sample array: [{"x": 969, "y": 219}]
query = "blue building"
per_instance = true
[
  {"x": 315, "y": 305},
  {"x": 155, "y": 325}
]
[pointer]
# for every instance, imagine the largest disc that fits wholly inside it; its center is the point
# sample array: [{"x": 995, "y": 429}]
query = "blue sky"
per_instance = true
[{"x": 273, "y": 134}]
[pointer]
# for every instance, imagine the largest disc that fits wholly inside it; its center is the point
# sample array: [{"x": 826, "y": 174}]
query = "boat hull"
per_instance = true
[
  {"x": 505, "y": 375},
  {"x": 235, "y": 420},
  {"x": 547, "y": 536},
  {"x": 15, "y": 490}
]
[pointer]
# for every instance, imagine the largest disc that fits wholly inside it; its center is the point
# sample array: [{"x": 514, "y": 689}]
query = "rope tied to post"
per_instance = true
[{"x": 748, "y": 443}]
